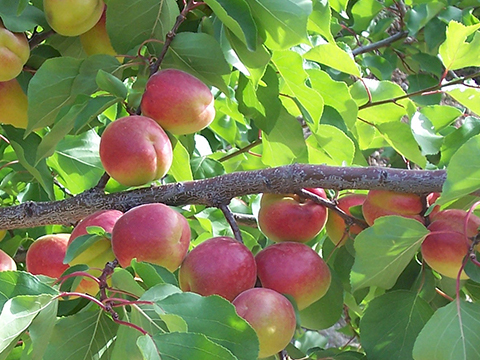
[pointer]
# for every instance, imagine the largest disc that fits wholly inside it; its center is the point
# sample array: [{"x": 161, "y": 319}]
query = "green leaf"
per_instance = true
[
  {"x": 396, "y": 240},
  {"x": 458, "y": 137},
  {"x": 319, "y": 19},
  {"x": 200, "y": 55},
  {"x": 216, "y": 318},
  {"x": 185, "y": 346},
  {"x": 424, "y": 133},
  {"x": 92, "y": 331},
  {"x": 15, "y": 283},
  {"x": 236, "y": 15},
  {"x": 41, "y": 329},
  {"x": 467, "y": 96},
  {"x": 18, "y": 313},
  {"x": 329, "y": 145},
  {"x": 28, "y": 18},
  {"x": 285, "y": 143},
  {"x": 152, "y": 274},
  {"x": 451, "y": 333},
  {"x": 148, "y": 348},
  {"x": 77, "y": 161},
  {"x": 441, "y": 115},
  {"x": 363, "y": 12},
  {"x": 455, "y": 52},
  {"x": 25, "y": 149},
  {"x": 58, "y": 82},
  {"x": 391, "y": 324},
  {"x": 122, "y": 279},
  {"x": 290, "y": 67},
  {"x": 331, "y": 55},
  {"x": 153, "y": 20},
  {"x": 327, "y": 311},
  {"x": 463, "y": 172},
  {"x": 335, "y": 94},
  {"x": 180, "y": 168},
  {"x": 285, "y": 21},
  {"x": 204, "y": 167},
  {"x": 111, "y": 84},
  {"x": 79, "y": 245},
  {"x": 419, "y": 15},
  {"x": 400, "y": 137}
]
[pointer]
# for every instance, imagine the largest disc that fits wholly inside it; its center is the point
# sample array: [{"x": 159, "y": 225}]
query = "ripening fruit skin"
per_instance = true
[
  {"x": 382, "y": 203},
  {"x": 221, "y": 266},
  {"x": 294, "y": 269},
  {"x": 72, "y": 17},
  {"x": 97, "y": 255},
  {"x": 446, "y": 246},
  {"x": 14, "y": 104},
  {"x": 134, "y": 150},
  {"x": 178, "y": 101},
  {"x": 14, "y": 53},
  {"x": 96, "y": 40},
  {"x": 271, "y": 315},
  {"x": 153, "y": 233},
  {"x": 336, "y": 227},
  {"x": 285, "y": 217},
  {"x": 45, "y": 256},
  {"x": 6, "y": 262}
]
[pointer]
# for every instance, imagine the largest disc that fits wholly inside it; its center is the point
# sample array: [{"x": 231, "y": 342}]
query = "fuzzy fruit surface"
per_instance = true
[
  {"x": 271, "y": 315},
  {"x": 447, "y": 244},
  {"x": 45, "y": 256},
  {"x": 221, "y": 266},
  {"x": 14, "y": 53},
  {"x": 96, "y": 40},
  {"x": 134, "y": 150},
  {"x": 289, "y": 218},
  {"x": 294, "y": 269},
  {"x": 97, "y": 255},
  {"x": 14, "y": 104},
  {"x": 178, "y": 101},
  {"x": 153, "y": 233},
  {"x": 72, "y": 17},
  {"x": 382, "y": 203},
  {"x": 6, "y": 262},
  {"x": 336, "y": 228}
]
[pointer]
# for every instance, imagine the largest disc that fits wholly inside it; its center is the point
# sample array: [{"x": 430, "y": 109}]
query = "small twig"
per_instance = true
[
  {"x": 245, "y": 220},
  {"x": 37, "y": 38},
  {"x": 102, "y": 182},
  {"x": 380, "y": 44},
  {"x": 241, "y": 150},
  {"x": 231, "y": 221}
]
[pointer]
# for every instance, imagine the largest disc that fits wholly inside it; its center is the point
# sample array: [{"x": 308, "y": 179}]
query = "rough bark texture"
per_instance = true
[{"x": 221, "y": 189}]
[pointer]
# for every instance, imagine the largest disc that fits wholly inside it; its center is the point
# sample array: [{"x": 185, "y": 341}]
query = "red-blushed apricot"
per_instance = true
[
  {"x": 336, "y": 228},
  {"x": 45, "y": 256},
  {"x": 153, "y": 233},
  {"x": 382, "y": 203},
  {"x": 294, "y": 269},
  {"x": 178, "y": 101},
  {"x": 221, "y": 266},
  {"x": 6, "y": 262},
  {"x": 271, "y": 315},
  {"x": 14, "y": 53},
  {"x": 135, "y": 150},
  {"x": 286, "y": 217}
]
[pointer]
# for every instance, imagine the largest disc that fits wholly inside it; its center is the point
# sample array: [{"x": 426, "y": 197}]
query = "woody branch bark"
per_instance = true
[{"x": 220, "y": 190}]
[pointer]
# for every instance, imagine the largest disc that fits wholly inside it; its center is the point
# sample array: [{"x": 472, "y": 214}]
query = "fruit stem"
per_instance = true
[{"x": 231, "y": 221}]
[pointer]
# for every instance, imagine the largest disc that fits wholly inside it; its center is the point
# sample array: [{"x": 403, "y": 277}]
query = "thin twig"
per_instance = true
[
  {"x": 231, "y": 221},
  {"x": 380, "y": 44}
]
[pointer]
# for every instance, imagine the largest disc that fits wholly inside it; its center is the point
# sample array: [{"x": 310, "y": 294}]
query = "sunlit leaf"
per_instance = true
[{"x": 455, "y": 52}]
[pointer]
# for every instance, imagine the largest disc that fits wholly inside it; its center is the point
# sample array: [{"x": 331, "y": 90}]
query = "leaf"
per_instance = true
[
  {"x": 180, "y": 168},
  {"x": 451, "y": 333},
  {"x": 419, "y": 15},
  {"x": 41, "y": 329},
  {"x": 454, "y": 140},
  {"x": 77, "y": 161},
  {"x": 329, "y": 145},
  {"x": 284, "y": 144},
  {"x": 204, "y": 167},
  {"x": 363, "y": 12},
  {"x": 391, "y": 324},
  {"x": 319, "y": 19},
  {"x": 15, "y": 283},
  {"x": 463, "y": 172},
  {"x": 396, "y": 240},
  {"x": 122, "y": 279},
  {"x": 236, "y": 15},
  {"x": 335, "y": 94},
  {"x": 216, "y": 318},
  {"x": 153, "y": 20},
  {"x": 25, "y": 149},
  {"x": 285, "y": 21},
  {"x": 467, "y": 96},
  {"x": 185, "y": 346},
  {"x": 18, "y": 313},
  {"x": 440, "y": 115},
  {"x": 424, "y": 133},
  {"x": 152, "y": 274},
  {"x": 148, "y": 348},
  {"x": 200, "y": 55},
  {"x": 26, "y": 20},
  {"x": 79, "y": 245},
  {"x": 92, "y": 331},
  {"x": 58, "y": 82},
  {"x": 290, "y": 67},
  {"x": 331, "y": 55},
  {"x": 111, "y": 84},
  {"x": 455, "y": 52}
]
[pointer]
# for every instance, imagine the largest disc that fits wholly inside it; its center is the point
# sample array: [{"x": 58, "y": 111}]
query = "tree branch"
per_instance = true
[
  {"x": 379, "y": 44},
  {"x": 221, "y": 189}
]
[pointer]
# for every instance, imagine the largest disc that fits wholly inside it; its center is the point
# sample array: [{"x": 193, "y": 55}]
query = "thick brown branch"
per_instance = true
[{"x": 221, "y": 189}]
